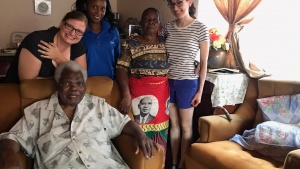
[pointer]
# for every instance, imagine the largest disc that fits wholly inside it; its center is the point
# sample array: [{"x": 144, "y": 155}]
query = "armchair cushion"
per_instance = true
[
  {"x": 284, "y": 108},
  {"x": 278, "y": 134},
  {"x": 248, "y": 141},
  {"x": 272, "y": 139}
]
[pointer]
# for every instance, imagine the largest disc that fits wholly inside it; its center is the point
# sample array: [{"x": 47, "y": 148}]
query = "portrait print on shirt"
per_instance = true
[{"x": 145, "y": 108}]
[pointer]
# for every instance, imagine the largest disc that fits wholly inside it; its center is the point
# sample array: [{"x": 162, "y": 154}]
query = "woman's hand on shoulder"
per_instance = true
[
  {"x": 49, "y": 50},
  {"x": 132, "y": 36},
  {"x": 197, "y": 67}
]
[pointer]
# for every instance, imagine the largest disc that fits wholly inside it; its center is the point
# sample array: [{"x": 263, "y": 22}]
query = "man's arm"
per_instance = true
[
  {"x": 143, "y": 142},
  {"x": 8, "y": 154}
]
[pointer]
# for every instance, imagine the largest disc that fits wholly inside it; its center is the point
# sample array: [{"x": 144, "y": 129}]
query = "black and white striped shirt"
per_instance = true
[{"x": 183, "y": 45}]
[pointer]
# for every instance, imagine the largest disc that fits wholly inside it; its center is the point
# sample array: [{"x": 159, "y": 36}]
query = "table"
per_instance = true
[{"x": 229, "y": 88}]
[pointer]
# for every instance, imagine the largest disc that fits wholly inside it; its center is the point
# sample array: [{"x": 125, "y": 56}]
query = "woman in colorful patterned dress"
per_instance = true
[{"x": 141, "y": 74}]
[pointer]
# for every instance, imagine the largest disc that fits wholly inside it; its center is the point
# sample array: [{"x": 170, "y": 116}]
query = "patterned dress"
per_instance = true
[{"x": 147, "y": 70}]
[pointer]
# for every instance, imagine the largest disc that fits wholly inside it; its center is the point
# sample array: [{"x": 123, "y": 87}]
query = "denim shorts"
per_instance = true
[{"x": 182, "y": 92}]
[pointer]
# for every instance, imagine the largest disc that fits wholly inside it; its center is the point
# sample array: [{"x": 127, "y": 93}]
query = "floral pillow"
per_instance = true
[
  {"x": 284, "y": 109},
  {"x": 277, "y": 134},
  {"x": 252, "y": 140}
]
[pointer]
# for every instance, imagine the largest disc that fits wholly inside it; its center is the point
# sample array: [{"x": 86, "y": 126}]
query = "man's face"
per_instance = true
[
  {"x": 71, "y": 88},
  {"x": 145, "y": 105}
]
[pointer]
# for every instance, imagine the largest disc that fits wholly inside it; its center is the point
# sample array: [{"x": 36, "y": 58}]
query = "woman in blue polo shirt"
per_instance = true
[{"x": 101, "y": 37}]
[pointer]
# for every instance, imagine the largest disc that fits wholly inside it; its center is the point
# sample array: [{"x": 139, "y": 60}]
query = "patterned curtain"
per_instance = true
[{"x": 235, "y": 12}]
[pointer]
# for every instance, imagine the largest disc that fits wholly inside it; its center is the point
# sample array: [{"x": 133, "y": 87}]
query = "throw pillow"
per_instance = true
[
  {"x": 248, "y": 141},
  {"x": 284, "y": 109},
  {"x": 277, "y": 134}
]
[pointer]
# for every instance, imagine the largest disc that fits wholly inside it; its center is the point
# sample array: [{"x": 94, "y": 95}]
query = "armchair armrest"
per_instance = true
[
  {"x": 218, "y": 128},
  {"x": 126, "y": 148},
  {"x": 292, "y": 160}
]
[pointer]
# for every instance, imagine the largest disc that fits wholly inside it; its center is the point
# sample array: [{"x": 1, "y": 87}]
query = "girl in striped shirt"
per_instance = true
[{"x": 187, "y": 40}]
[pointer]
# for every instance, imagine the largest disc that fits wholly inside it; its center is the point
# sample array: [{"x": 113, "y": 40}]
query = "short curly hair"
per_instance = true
[{"x": 72, "y": 65}]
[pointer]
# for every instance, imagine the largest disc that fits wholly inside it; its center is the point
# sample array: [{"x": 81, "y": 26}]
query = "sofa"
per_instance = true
[
  {"x": 15, "y": 97},
  {"x": 213, "y": 150}
]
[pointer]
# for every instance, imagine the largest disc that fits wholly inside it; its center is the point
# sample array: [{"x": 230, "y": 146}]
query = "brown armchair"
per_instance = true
[
  {"x": 15, "y": 97},
  {"x": 213, "y": 149}
]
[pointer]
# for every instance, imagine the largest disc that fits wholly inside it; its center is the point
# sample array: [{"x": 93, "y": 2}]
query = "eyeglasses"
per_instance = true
[
  {"x": 71, "y": 28},
  {"x": 178, "y": 4}
]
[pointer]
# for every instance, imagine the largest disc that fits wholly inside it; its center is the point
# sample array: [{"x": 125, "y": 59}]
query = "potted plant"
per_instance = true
[{"x": 218, "y": 49}]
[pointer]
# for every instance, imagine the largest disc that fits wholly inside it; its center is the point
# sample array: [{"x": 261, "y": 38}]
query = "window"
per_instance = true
[{"x": 271, "y": 40}]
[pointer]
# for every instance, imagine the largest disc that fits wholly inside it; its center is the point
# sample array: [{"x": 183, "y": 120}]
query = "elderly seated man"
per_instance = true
[{"x": 71, "y": 129}]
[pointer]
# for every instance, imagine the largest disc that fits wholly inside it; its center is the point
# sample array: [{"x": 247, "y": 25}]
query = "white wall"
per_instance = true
[
  {"x": 19, "y": 16},
  {"x": 135, "y": 8}
]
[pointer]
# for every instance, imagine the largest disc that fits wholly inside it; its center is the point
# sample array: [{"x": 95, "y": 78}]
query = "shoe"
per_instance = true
[{"x": 174, "y": 166}]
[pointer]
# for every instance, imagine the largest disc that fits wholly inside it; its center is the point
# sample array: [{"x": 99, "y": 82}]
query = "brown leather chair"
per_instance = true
[
  {"x": 15, "y": 97},
  {"x": 215, "y": 151}
]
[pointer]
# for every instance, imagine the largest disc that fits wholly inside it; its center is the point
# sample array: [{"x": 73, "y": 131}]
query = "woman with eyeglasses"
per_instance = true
[
  {"x": 101, "y": 38},
  {"x": 41, "y": 51},
  {"x": 187, "y": 40}
]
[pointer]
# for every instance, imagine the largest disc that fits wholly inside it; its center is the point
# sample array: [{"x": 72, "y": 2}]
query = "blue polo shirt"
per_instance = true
[{"x": 103, "y": 50}]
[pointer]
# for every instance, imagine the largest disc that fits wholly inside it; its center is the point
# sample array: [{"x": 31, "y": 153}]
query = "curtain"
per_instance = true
[{"x": 235, "y": 12}]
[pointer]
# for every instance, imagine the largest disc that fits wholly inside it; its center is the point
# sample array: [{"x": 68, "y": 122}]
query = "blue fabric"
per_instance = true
[
  {"x": 182, "y": 92},
  {"x": 103, "y": 50}
]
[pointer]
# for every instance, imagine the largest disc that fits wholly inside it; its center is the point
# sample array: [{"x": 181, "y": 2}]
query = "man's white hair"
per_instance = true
[{"x": 72, "y": 65}]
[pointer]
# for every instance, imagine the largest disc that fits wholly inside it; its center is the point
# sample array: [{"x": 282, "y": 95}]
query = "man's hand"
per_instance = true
[
  {"x": 146, "y": 145},
  {"x": 142, "y": 142}
]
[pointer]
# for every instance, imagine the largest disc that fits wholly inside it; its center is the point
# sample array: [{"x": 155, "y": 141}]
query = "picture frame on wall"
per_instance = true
[{"x": 134, "y": 29}]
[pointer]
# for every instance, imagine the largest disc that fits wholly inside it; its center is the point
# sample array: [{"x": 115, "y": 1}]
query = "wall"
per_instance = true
[
  {"x": 135, "y": 8},
  {"x": 19, "y": 16}
]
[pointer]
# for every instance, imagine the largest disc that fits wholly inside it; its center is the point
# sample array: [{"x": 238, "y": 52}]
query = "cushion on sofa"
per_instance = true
[
  {"x": 248, "y": 141},
  {"x": 10, "y": 111},
  {"x": 284, "y": 109},
  {"x": 278, "y": 134},
  {"x": 228, "y": 155}
]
